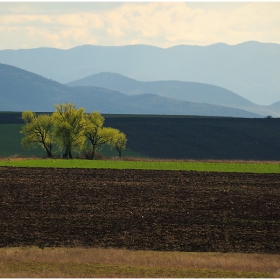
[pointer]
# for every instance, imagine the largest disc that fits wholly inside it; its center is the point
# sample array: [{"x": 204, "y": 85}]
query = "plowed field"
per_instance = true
[{"x": 140, "y": 209}]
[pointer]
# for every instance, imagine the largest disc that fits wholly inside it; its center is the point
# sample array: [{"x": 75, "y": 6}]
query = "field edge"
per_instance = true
[{"x": 147, "y": 164}]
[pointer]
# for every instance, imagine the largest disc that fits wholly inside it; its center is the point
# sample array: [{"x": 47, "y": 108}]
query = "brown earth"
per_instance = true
[{"x": 140, "y": 209}]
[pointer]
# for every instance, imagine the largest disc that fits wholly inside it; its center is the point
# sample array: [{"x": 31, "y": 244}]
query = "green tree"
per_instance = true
[
  {"x": 69, "y": 127},
  {"x": 37, "y": 131},
  {"x": 96, "y": 134},
  {"x": 118, "y": 141},
  {"x": 72, "y": 129}
]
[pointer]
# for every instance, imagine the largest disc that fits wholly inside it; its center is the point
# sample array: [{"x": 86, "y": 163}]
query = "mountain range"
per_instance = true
[
  {"x": 186, "y": 91},
  {"x": 250, "y": 69},
  {"x": 22, "y": 90}
]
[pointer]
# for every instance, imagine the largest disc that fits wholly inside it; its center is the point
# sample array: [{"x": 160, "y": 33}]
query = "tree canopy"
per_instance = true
[
  {"x": 119, "y": 141},
  {"x": 37, "y": 131},
  {"x": 71, "y": 129}
]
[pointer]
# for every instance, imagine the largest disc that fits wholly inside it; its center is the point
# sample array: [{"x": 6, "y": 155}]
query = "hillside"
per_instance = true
[
  {"x": 275, "y": 107},
  {"x": 22, "y": 90},
  {"x": 180, "y": 137},
  {"x": 187, "y": 91},
  {"x": 250, "y": 69},
  {"x": 201, "y": 138}
]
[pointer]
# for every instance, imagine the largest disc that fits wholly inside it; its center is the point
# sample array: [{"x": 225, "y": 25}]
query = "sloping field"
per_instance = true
[
  {"x": 140, "y": 209},
  {"x": 201, "y": 137},
  {"x": 177, "y": 137}
]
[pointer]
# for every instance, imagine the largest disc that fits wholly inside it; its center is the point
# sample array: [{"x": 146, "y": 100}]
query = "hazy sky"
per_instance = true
[{"x": 163, "y": 24}]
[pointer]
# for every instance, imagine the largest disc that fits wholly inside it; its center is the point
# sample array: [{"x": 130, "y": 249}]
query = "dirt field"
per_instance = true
[{"x": 136, "y": 209}]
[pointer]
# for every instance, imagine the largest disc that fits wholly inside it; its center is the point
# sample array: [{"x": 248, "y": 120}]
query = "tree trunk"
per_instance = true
[
  {"x": 49, "y": 154},
  {"x": 48, "y": 150},
  {"x": 67, "y": 153},
  {"x": 92, "y": 153}
]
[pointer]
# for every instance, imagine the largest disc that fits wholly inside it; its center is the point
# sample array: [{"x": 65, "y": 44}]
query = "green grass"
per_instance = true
[{"x": 248, "y": 167}]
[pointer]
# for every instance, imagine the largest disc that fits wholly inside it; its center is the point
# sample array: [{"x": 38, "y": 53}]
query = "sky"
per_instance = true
[{"x": 66, "y": 25}]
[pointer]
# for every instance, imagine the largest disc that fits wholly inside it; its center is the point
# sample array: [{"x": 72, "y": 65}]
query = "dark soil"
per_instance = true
[{"x": 137, "y": 209}]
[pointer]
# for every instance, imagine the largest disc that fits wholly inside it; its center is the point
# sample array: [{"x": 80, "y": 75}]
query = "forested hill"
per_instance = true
[{"x": 181, "y": 137}]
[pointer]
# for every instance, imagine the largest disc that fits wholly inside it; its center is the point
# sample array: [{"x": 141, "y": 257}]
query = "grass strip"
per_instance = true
[
  {"x": 88, "y": 270},
  {"x": 26, "y": 262},
  {"x": 247, "y": 167}
]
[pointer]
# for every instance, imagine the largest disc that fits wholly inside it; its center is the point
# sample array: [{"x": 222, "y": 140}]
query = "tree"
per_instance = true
[
  {"x": 118, "y": 141},
  {"x": 96, "y": 134},
  {"x": 37, "y": 131},
  {"x": 69, "y": 127}
]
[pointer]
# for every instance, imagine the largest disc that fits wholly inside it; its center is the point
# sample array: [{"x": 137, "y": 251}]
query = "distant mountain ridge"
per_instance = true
[
  {"x": 22, "y": 90},
  {"x": 187, "y": 91},
  {"x": 250, "y": 69}
]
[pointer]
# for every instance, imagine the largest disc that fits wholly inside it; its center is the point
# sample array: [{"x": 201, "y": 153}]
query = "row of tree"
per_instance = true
[{"x": 70, "y": 129}]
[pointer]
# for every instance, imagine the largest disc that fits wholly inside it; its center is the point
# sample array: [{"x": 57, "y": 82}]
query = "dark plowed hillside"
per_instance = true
[
  {"x": 10, "y": 118},
  {"x": 136, "y": 209},
  {"x": 183, "y": 137},
  {"x": 201, "y": 137}
]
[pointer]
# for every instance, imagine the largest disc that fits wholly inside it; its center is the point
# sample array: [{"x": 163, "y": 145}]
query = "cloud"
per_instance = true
[
  {"x": 162, "y": 24},
  {"x": 177, "y": 23}
]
